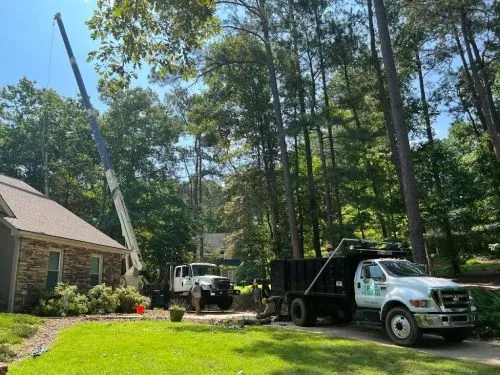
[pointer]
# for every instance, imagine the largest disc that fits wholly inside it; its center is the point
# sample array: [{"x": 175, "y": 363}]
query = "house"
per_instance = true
[
  {"x": 42, "y": 243},
  {"x": 215, "y": 249}
]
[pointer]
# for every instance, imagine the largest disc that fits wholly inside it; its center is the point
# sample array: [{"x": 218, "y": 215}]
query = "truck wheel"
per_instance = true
[
  {"x": 225, "y": 303},
  {"x": 303, "y": 314},
  {"x": 203, "y": 300},
  {"x": 456, "y": 334},
  {"x": 402, "y": 327}
]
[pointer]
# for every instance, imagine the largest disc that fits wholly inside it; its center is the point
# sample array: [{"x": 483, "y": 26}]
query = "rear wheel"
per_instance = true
[
  {"x": 402, "y": 327},
  {"x": 303, "y": 313},
  {"x": 225, "y": 303},
  {"x": 456, "y": 334}
]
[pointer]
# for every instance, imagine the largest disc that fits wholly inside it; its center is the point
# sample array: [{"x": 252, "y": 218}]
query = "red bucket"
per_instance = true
[{"x": 140, "y": 309}]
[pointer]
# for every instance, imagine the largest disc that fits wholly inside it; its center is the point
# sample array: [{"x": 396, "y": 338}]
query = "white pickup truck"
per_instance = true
[
  {"x": 216, "y": 289},
  {"x": 374, "y": 285}
]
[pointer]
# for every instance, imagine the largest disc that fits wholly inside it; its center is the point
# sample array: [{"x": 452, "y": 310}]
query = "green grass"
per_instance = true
[
  {"x": 13, "y": 329},
  {"x": 156, "y": 347},
  {"x": 442, "y": 267}
]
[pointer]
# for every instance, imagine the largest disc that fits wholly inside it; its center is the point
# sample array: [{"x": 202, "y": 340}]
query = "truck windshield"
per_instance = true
[
  {"x": 201, "y": 270},
  {"x": 401, "y": 269}
]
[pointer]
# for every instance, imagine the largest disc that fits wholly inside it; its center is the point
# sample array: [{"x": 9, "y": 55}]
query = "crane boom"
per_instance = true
[{"x": 132, "y": 274}]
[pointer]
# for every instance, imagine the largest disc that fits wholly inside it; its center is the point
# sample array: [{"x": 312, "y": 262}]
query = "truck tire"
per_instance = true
[
  {"x": 204, "y": 299},
  {"x": 456, "y": 334},
  {"x": 402, "y": 328},
  {"x": 225, "y": 303},
  {"x": 303, "y": 313}
]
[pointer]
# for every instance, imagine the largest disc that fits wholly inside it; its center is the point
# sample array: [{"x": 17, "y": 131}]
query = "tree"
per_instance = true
[{"x": 407, "y": 172}]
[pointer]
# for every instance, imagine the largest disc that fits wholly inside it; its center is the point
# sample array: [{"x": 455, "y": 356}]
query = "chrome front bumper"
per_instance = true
[{"x": 446, "y": 320}]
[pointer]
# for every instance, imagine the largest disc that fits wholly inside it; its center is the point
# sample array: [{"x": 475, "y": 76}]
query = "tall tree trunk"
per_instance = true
[
  {"x": 411, "y": 198},
  {"x": 486, "y": 76},
  {"x": 298, "y": 194},
  {"x": 483, "y": 97},
  {"x": 290, "y": 204},
  {"x": 435, "y": 169},
  {"x": 311, "y": 185},
  {"x": 384, "y": 102},
  {"x": 337, "y": 206},
  {"x": 470, "y": 82},
  {"x": 271, "y": 188}
]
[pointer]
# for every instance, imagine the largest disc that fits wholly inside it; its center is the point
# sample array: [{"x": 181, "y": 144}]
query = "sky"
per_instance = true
[{"x": 26, "y": 32}]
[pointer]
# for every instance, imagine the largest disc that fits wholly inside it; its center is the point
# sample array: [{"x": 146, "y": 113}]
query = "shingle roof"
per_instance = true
[{"x": 36, "y": 213}]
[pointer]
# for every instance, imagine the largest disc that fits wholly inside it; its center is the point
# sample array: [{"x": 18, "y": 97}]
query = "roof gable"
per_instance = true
[{"x": 31, "y": 211}]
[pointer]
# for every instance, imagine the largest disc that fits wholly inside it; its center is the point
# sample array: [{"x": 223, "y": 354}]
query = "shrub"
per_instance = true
[
  {"x": 129, "y": 298},
  {"x": 102, "y": 300},
  {"x": 178, "y": 304},
  {"x": 494, "y": 249},
  {"x": 472, "y": 261},
  {"x": 63, "y": 301}
]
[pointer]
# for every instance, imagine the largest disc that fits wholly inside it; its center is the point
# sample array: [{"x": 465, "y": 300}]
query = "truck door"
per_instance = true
[
  {"x": 178, "y": 279},
  {"x": 187, "y": 278},
  {"x": 371, "y": 286}
]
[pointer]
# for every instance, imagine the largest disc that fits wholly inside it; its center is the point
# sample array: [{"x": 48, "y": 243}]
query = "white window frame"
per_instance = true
[
  {"x": 99, "y": 256},
  {"x": 60, "y": 265}
]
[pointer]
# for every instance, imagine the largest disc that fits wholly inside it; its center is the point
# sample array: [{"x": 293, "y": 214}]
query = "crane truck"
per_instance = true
[
  {"x": 373, "y": 282},
  {"x": 134, "y": 263},
  {"x": 216, "y": 289}
]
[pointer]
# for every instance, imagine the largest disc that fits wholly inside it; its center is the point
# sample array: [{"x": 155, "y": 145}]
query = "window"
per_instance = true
[
  {"x": 95, "y": 269},
  {"x": 178, "y": 272},
  {"x": 401, "y": 268},
  {"x": 185, "y": 271},
  {"x": 372, "y": 271},
  {"x": 54, "y": 269}
]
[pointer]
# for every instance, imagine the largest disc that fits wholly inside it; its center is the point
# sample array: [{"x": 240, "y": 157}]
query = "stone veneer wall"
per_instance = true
[{"x": 33, "y": 265}]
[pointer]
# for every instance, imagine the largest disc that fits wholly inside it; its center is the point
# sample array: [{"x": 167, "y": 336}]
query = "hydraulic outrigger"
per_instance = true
[{"x": 132, "y": 275}]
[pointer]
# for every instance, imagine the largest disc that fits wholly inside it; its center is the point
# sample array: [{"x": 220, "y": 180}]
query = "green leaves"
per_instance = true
[{"x": 161, "y": 34}]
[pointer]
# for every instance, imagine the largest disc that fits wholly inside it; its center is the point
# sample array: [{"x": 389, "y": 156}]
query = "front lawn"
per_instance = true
[
  {"x": 13, "y": 329},
  {"x": 157, "y": 347}
]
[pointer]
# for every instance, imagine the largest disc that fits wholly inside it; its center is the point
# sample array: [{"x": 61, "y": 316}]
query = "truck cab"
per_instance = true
[
  {"x": 216, "y": 289},
  {"x": 408, "y": 301}
]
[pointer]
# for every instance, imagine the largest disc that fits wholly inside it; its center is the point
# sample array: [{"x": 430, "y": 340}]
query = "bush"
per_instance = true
[
  {"x": 129, "y": 298},
  {"x": 488, "y": 306},
  {"x": 63, "y": 301},
  {"x": 494, "y": 249},
  {"x": 472, "y": 261},
  {"x": 102, "y": 300}
]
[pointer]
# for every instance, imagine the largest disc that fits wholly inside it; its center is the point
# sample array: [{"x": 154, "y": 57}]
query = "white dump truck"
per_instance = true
[
  {"x": 216, "y": 289},
  {"x": 374, "y": 285}
]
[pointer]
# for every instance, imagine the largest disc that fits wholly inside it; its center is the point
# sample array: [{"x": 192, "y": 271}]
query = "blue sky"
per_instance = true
[{"x": 25, "y": 41}]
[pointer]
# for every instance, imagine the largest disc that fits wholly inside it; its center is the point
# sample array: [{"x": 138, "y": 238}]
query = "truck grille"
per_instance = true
[
  {"x": 222, "y": 284},
  {"x": 452, "y": 300}
]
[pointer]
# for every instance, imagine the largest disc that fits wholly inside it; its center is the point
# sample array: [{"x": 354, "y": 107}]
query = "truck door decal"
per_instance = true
[{"x": 369, "y": 288}]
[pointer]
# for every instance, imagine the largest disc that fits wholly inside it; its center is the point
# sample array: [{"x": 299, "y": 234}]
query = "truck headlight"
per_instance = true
[{"x": 420, "y": 303}]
